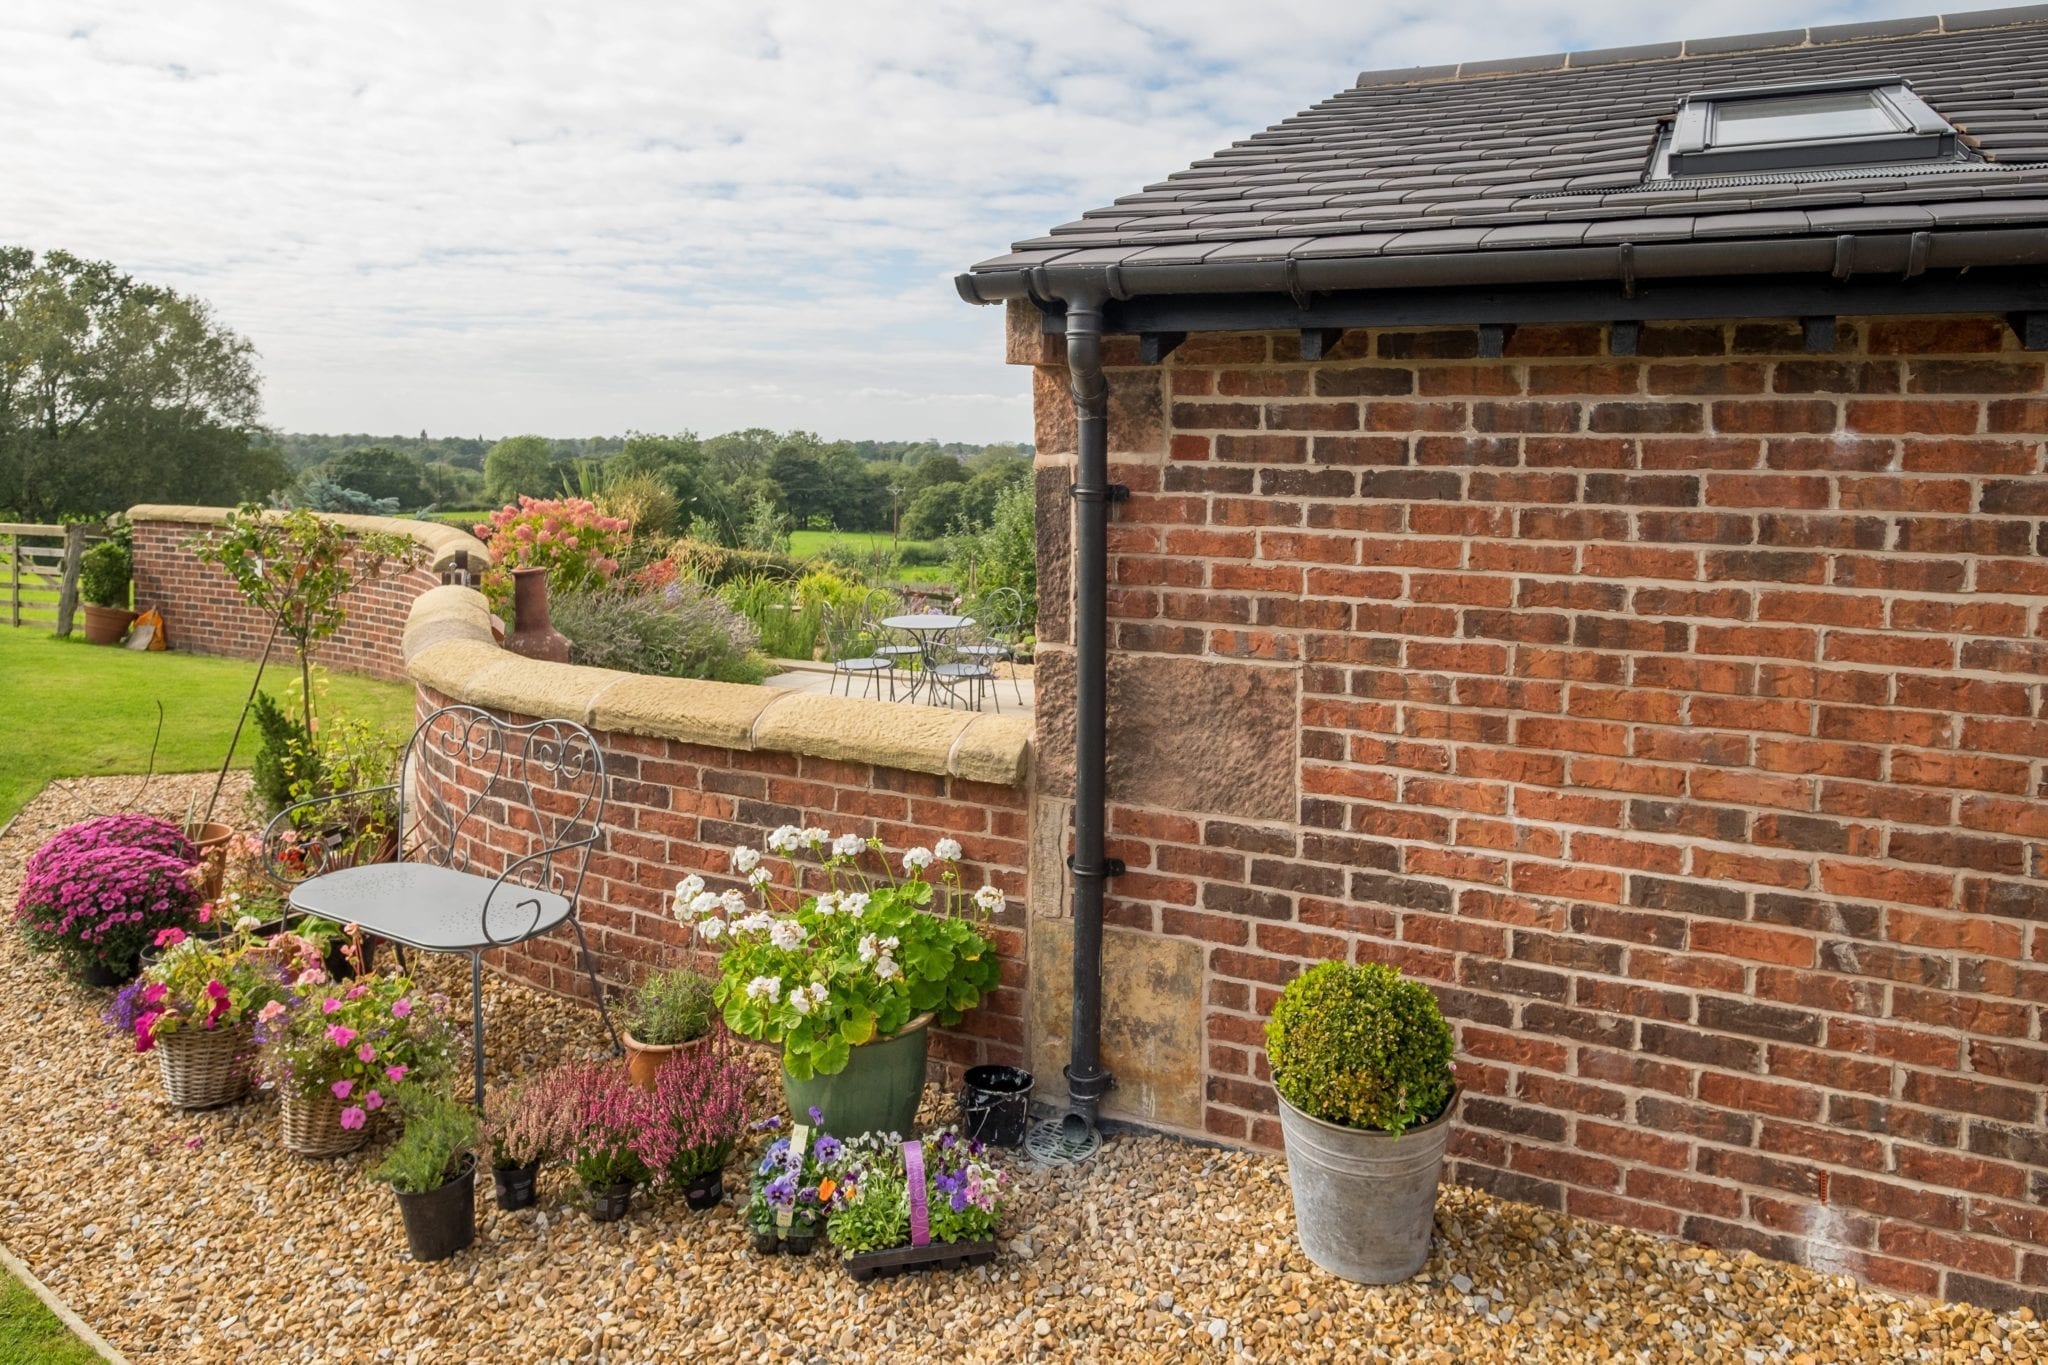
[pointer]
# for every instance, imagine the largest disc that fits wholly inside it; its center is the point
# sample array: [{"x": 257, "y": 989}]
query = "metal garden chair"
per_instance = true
[
  {"x": 900, "y": 653},
  {"x": 958, "y": 666},
  {"x": 1001, "y": 612},
  {"x": 852, "y": 638},
  {"x": 466, "y": 777}
]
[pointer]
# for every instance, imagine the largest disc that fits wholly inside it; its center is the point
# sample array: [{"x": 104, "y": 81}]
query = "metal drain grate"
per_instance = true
[{"x": 1057, "y": 1142}]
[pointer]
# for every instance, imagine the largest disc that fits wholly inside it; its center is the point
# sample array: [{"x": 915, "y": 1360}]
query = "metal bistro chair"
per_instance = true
[
  {"x": 851, "y": 637},
  {"x": 900, "y": 653},
  {"x": 1002, "y": 613},
  {"x": 465, "y": 777},
  {"x": 958, "y": 663}
]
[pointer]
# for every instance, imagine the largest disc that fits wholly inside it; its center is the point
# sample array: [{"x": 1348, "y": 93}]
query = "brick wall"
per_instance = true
[
  {"x": 1679, "y": 717},
  {"x": 204, "y": 612},
  {"x": 678, "y": 808}
]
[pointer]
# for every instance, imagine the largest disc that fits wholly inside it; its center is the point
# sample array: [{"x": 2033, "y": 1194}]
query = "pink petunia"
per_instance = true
[
  {"x": 374, "y": 1100},
  {"x": 329, "y": 1005},
  {"x": 396, "y": 1073},
  {"x": 401, "y": 1007},
  {"x": 366, "y": 1053},
  {"x": 270, "y": 1011},
  {"x": 342, "y": 1089},
  {"x": 341, "y": 1035},
  {"x": 354, "y": 1117}
]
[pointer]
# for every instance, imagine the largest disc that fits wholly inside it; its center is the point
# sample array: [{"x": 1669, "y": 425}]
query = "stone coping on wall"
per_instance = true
[
  {"x": 449, "y": 648},
  {"x": 442, "y": 542}
]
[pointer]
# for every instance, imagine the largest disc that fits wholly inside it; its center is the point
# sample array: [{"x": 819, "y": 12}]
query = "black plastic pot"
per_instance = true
[
  {"x": 608, "y": 1202},
  {"x": 339, "y": 968},
  {"x": 441, "y": 1222},
  {"x": 515, "y": 1186},
  {"x": 766, "y": 1243},
  {"x": 800, "y": 1243},
  {"x": 996, "y": 1105},
  {"x": 98, "y": 974},
  {"x": 704, "y": 1191}
]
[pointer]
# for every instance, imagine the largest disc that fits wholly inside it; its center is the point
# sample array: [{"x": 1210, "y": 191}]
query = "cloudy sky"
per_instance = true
[{"x": 482, "y": 218}]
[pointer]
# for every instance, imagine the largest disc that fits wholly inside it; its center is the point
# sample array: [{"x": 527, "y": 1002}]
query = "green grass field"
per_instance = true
[
  {"x": 69, "y": 709},
  {"x": 811, "y": 544},
  {"x": 30, "y": 1333}
]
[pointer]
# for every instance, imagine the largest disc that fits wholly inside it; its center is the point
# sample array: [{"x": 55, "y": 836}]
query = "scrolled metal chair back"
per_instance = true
[{"x": 469, "y": 774}]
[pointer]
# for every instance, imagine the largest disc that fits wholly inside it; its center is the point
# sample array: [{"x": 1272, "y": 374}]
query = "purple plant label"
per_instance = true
[
  {"x": 799, "y": 1142},
  {"x": 920, "y": 1210}
]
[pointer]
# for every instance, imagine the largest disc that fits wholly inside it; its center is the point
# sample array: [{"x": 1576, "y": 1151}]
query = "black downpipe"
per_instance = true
[{"x": 1087, "y": 1081}]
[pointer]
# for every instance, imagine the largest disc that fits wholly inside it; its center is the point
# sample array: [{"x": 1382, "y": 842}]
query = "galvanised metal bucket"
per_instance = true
[{"x": 1364, "y": 1202}]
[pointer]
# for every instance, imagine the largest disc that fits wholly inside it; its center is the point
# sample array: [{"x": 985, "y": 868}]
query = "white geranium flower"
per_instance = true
[
  {"x": 870, "y": 948},
  {"x": 704, "y": 903},
  {"x": 712, "y": 929},
  {"x": 732, "y": 902},
  {"x": 817, "y": 992},
  {"x": 785, "y": 933},
  {"x": 848, "y": 845},
  {"x": 989, "y": 898},
  {"x": 854, "y": 903},
  {"x": 827, "y": 902},
  {"x": 814, "y": 837},
  {"x": 886, "y": 969},
  {"x": 917, "y": 860},
  {"x": 800, "y": 1000},
  {"x": 246, "y": 923},
  {"x": 785, "y": 839},
  {"x": 688, "y": 887},
  {"x": 754, "y": 923},
  {"x": 765, "y": 988},
  {"x": 744, "y": 859},
  {"x": 759, "y": 878},
  {"x": 947, "y": 850}
]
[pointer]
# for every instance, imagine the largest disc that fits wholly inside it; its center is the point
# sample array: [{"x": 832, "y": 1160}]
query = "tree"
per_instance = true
[
  {"x": 114, "y": 392},
  {"x": 519, "y": 465},
  {"x": 933, "y": 512},
  {"x": 382, "y": 473}
]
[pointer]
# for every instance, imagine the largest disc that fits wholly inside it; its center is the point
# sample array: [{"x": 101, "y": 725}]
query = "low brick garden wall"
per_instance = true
[{"x": 205, "y": 614}]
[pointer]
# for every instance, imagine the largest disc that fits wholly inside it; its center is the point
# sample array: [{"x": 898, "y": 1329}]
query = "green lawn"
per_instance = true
[
  {"x": 30, "y": 1333},
  {"x": 69, "y": 709},
  {"x": 811, "y": 544}
]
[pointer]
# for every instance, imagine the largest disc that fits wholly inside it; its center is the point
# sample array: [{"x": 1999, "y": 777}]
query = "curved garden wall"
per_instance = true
[
  {"x": 204, "y": 614},
  {"x": 697, "y": 767}
]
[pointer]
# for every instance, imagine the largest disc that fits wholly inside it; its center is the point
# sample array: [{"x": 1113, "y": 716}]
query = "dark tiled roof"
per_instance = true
[{"x": 1550, "y": 151}]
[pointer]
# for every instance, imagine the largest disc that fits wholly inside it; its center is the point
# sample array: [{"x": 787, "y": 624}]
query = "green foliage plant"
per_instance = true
[
  {"x": 678, "y": 630},
  {"x": 1361, "y": 1047},
  {"x": 297, "y": 568},
  {"x": 1004, "y": 554},
  {"x": 104, "y": 574},
  {"x": 821, "y": 974},
  {"x": 787, "y": 625},
  {"x": 439, "y": 1131},
  {"x": 672, "y": 1007},
  {"x": 284, "y": 749}
]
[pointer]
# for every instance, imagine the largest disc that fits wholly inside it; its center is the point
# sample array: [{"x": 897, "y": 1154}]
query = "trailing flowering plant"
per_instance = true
[
  {"x": 206, "y": 984},
  {"x": 866, "y": 1191},
  {"x": 355, "y": 1040},
  {"x": 857, "y": 961},
  {"x": 94, "y": 899},
  {"x": 577, "y": 544}
]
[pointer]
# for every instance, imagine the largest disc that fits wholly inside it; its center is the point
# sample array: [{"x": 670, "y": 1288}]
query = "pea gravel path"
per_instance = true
[{"x": 198, "y": 1238}]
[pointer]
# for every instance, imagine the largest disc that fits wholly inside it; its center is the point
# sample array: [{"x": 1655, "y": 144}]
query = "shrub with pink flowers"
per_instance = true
[
  {"x": 355, "y": 1040},
  {"x": 96, "y": 900},
  {"x": 578, "y": 545},
  {"x": 115, "y": 831}
]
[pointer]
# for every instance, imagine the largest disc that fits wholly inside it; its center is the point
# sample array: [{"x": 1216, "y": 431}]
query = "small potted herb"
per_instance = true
[
  {"x": 699, "y": 1114},
  {"x": 668, "y": 1013},
  {"x": 104, "y": 575},
  {"x": 97, "y": 894},
  {"x": 432, "y": 1170},
  {"x": 336, "y": 1051},
  {"x": 895, "y": 1206},
  {"x": 1361, "y": 1057}
]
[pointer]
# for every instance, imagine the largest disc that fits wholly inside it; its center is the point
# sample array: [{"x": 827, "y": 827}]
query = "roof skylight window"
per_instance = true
[{"x": 1824, "y": 125}]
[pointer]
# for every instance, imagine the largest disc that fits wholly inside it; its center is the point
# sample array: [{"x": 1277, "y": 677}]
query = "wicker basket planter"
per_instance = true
[
  {"x": 206, "y": 1068},
  {"x": 312, "y": 1126}
]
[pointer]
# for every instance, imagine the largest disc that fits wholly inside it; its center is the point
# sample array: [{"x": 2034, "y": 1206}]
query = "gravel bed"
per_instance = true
[{"x": 198, "y": 1238}]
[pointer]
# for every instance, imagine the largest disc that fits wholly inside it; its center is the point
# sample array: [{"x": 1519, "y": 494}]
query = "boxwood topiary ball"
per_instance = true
[{"x": 1360, "y": 1047}]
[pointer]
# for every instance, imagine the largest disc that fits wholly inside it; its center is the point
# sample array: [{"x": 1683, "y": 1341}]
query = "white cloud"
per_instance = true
[{"x": 502, "y": 217}]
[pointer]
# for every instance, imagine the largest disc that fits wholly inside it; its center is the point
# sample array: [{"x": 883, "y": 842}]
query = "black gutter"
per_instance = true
[
  {"x": 1087, "y": 1081},
  {"x": 1899, "y": 253}
]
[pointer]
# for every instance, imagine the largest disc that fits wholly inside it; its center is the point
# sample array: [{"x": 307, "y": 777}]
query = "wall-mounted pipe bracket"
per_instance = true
[{"x": 1111, "y": 867}]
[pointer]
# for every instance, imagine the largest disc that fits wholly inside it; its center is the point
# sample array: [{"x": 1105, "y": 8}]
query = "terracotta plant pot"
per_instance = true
[
  {"x": 211, "y": 839},
  {"x": 106, "y": 625},
  {"x": 645, "y": 1060},
  {"x": 532, "y": 633}
]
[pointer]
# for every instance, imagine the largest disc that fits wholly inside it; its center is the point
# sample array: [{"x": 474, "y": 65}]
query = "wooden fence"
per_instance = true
[{"x": 39, "y": 573}]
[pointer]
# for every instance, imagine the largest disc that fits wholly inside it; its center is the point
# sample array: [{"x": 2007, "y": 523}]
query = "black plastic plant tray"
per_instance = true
[{"x": 870, "y": 1265}]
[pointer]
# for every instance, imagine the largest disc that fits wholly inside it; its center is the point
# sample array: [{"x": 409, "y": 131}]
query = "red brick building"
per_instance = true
[{"x": 1574, "y": 528}]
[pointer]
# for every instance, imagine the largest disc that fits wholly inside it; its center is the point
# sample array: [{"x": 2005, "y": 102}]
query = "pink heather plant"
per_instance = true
[
  {"x": 578, "y": 545},
  {"x": 591, "y": 1114},
  {"x": 94, "y": 900},
  {"x": 699, "y": 1112}
]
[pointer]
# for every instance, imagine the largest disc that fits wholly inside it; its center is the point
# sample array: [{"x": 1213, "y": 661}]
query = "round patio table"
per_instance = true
[{"x": 927, "y": 628}]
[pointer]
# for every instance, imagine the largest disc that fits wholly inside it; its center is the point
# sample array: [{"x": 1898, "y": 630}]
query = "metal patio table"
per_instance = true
[{"x": 927, "y": 629}]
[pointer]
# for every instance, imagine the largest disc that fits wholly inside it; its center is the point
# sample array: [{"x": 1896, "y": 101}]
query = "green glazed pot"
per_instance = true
[{"x": 877, "y": 1093}]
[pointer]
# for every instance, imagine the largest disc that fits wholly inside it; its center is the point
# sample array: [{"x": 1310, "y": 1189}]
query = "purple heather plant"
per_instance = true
[{"x": 92, "y": 899}]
